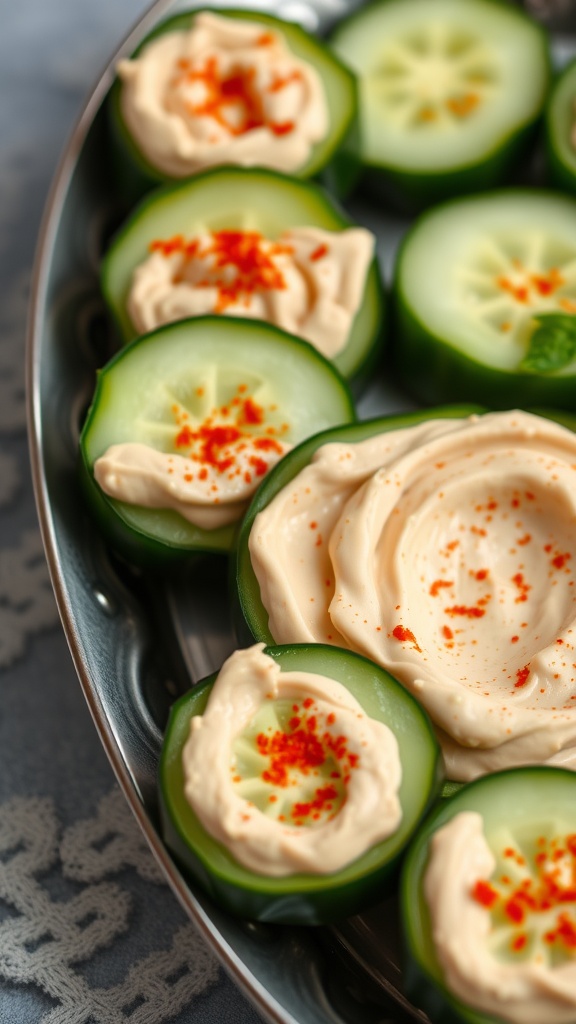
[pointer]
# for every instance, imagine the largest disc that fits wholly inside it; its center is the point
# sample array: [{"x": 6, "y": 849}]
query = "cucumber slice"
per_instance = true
[
  {"x": 524, "y": 812},
  {"x": 246, "y": 200},
  {"x": 560, "y": 128},
  {"x": 335, "y": 157},
  {"x": 190, "y": 371},
  {"x": 304, "y": 898},
  {"x": 473, "y": 279},
  {"x": 448, "y": 92},
  {"x": 250, "y": 615}
]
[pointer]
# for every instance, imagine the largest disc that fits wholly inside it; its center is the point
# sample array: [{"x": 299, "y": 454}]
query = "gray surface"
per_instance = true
[{"x": 50, "y": 56}]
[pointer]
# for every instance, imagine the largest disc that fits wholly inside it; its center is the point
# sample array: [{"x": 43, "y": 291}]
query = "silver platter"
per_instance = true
[{"x": 137, "y": 642}]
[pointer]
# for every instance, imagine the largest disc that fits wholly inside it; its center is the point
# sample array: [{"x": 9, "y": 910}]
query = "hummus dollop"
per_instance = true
[
  {"x": 287, "y": 771},
  {"x": 515, "y": 979},
  {"x": 445, "y": 552},
  {"x": 309, "y": 282},
  {"x": 226, "y": 91}
]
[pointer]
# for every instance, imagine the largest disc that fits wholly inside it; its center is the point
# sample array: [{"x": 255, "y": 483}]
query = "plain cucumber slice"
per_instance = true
[
  {"x": 447, "y": 91},
  {"x": 335, "y": 157},
  {"x": 518, "y": 807},
  {"x": 304, "y": 898},
  {"x": 198, "y": 365},
  {"x": 472, "y": 278},
  {"x": 560, "y": 126},
  {"x": 237, "y": 198}
]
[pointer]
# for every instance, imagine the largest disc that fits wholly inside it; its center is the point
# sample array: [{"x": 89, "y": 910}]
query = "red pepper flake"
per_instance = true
[
  {"x": 167, "y": 246},
  {"x": 280, "y": 82},
  {"x": 524, "y": 540},
  {"x": 523, "y": 587},
  {"x": 246, "y": 258},
  {"x": 518, "y": 292},
  {"x": 447, "y": 633},
  {"x": 522, "y": 675},
  {"x": 463, "y": 106},
  {"x": 547, "y": 284},
  {"x": 481, "y": 574},
  {"x": 251, "y": 412},
  {"x": 437, "y": 585},
  {"x": 405, "y": 635},
  {"x": 283, "y": 128},
  {"x": 514, "y": 639},
  {"x": 484, "y": 893},
  {"x": 266, "y": 39},
  {"x": 473, "y": 612},
  {"x": 549, "y": 888},
  {"x": 219, "y": 444},
  {"x": 319, "y": 252},
  {"x": 559, "y": 561},
  {"x": 323, "y": 801}
]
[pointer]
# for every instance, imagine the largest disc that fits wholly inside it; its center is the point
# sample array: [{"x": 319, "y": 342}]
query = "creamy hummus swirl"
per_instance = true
[
  {"x": 524, "y": 991},
  {"x": 226, "y": 91},
  {"x": 309, "y": 282},
  {"x": 369, "y": 812},
  {"x": 446, "y": 552}
]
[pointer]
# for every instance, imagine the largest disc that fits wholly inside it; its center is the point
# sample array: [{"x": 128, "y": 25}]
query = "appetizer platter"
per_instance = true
[{"x": 302, "y": 406}]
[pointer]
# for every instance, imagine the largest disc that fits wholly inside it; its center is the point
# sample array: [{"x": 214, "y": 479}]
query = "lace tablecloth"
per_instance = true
[{"x": 89, "y": 934}]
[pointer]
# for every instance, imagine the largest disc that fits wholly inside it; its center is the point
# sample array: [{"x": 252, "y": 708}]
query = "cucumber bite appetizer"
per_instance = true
[
  {"x": 249, "y": 243},
  {"x": 449, "y": 92},
  {"x": 485, "y": 301},
  {"x": 440, "y": 545},
  {"x": 187, "y": 420},
  {"x": 489, "y": 902},
  {"x": 561, "y": 129},
  {"x": 240, "y": 87},
  {"x": 291, "y": 782}
]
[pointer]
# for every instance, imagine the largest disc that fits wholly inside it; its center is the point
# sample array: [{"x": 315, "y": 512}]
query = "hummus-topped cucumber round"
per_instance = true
[
  {"x": 485, "y": 301},
  {"x": 250, "y": 243},
  {"x": 488, "y": 902},
  {"x": 185, "y": 423},
  {"x": 291, "y": 782},
  {"x": 237, "y": 87},
  {"x": 448, "y": 92}
]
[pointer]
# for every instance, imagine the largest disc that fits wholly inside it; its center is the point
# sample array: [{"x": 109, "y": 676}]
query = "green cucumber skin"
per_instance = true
[
  {"x": 298, "y": 899},
  {"x": 432, "y": 371},
  {"x": 138, "y": 546},
  {"x": 422, "y": 979},
  {"x": 136, "y": 175},
  {"x": 561, "y": 165},
  {"x": 249, "y": 615},
  {"x": 374, "y": 307},
  {"x": 411, "y": 191}
]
